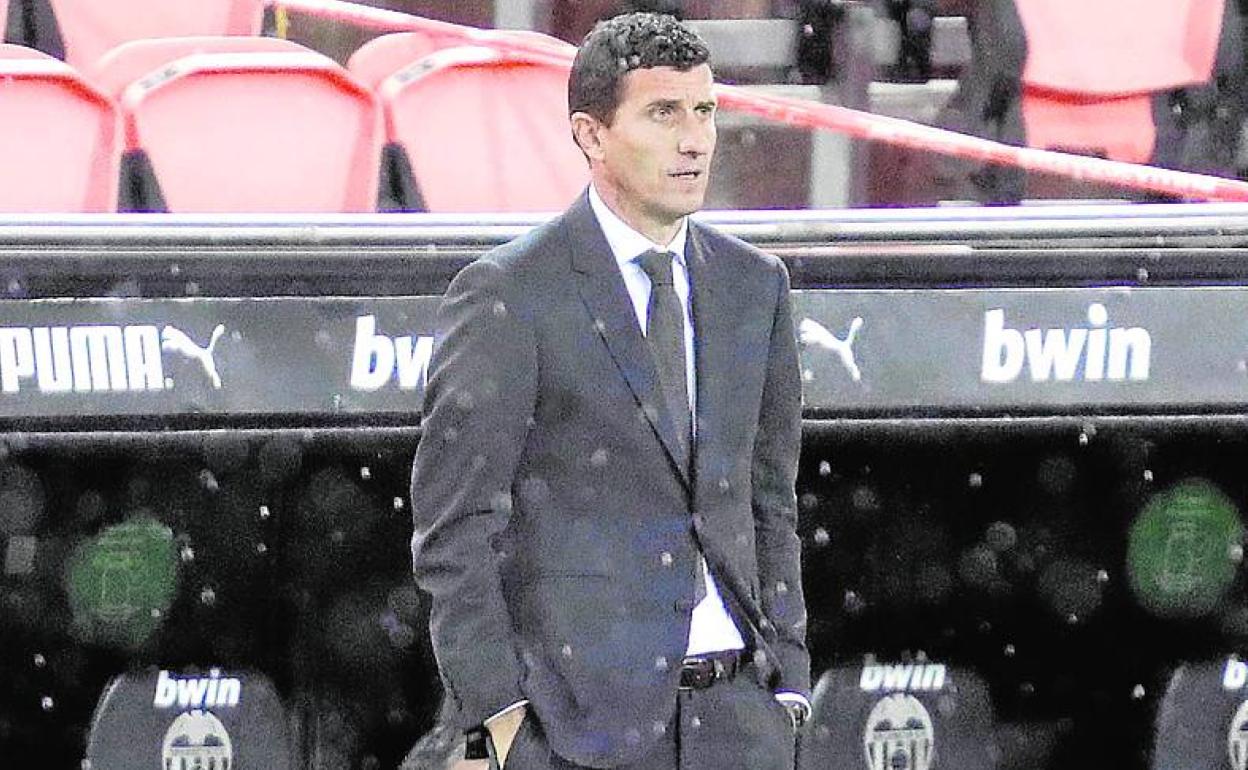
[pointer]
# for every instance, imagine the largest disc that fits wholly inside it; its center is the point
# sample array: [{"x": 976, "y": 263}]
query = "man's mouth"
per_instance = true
[{"x": 687, "y": 175}]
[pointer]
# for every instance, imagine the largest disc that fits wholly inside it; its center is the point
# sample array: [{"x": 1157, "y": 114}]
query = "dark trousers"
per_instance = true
[{"x": 731, "y": 725}]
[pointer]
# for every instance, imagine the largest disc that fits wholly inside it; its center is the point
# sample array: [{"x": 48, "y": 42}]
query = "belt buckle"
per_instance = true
[{"x": 700, "y": 673}]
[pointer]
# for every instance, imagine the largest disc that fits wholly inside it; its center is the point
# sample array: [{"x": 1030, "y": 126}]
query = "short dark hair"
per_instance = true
[{"x": 619, "y": 45}]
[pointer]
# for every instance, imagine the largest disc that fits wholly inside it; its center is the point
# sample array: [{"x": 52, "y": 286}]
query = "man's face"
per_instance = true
[{"x": 651, "y": 164}]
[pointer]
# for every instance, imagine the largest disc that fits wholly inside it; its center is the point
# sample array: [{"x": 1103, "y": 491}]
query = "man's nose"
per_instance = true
[{"x": 697, "y": 138}]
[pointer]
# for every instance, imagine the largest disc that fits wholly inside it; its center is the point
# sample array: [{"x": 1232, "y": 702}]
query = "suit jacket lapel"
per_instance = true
[
  {"x": 602, "y": 289},
  {"x": 713, "y": 339}
]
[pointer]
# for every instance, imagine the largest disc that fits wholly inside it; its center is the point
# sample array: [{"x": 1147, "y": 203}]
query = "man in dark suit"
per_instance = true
[{"x": 604, "y": 488}]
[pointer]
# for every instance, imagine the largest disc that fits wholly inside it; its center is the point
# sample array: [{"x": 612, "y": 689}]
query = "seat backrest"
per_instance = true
[
  {"x": 60, "y": 140},
  {"x": 383, "y": 56},
  {"x": 134, "y": 59},
  {"x": 89, "y": 28},
  {"x": 1092, "y": 70},
  {"x": 485, "y": 131},
  {"x": 257, "y": 132},
  {"x": 207, "y": 719},
  {"x": 1202, "y": 720},
  {"x": 1119, "y": 47},
  {"x": 904, "y": 716}
]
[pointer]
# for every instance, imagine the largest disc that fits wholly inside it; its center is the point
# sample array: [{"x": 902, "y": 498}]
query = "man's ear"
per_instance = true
[{"x": 587, "y": 131}]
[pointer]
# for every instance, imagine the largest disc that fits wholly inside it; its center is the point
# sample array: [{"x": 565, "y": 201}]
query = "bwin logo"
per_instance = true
[
  {"x": 376, "y": 357},
  {"x": 1113, "y": 354},
  {"x": 212, "y": 691},
  {"x": 902, "y": 676},
  {"x": 811, "y": 332},
  {"x": 97, "y": 357}
]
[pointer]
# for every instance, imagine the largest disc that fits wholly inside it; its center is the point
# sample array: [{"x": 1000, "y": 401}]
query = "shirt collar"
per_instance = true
[{"x": 626, "y": 243}]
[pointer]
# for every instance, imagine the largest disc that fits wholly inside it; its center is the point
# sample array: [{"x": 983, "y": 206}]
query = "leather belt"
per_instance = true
[{"x": 699, "y": 672}]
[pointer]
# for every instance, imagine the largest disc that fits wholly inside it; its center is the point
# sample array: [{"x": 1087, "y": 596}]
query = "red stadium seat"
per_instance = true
[
  {"x": 60, "y": 140},
  {"x": 383, "y": 56},
  {"x": 485, "y": 131},
  {"x": 254, "y": 131},
  {"x": 130, "y": 61},
  {"x": 81, "y": 31},
  {"x": 1092, "y": 69}
]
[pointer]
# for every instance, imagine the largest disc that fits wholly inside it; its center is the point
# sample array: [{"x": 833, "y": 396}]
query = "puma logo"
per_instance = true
[
  {"x": 811, "y": 332},
  {"x": 175, "y": 340}
]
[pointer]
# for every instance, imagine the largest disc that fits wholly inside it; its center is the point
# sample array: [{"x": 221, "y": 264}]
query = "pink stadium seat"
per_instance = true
[
  {"x": 485, "y": 131},
  {"x": 88, "y": 28},
  {"x": 130, "y": 61},
  {"x": 1092, "y": 69},
  {"x": 382, "y": 56},
  {"x": 261, "y": 131},
  {"x": 60, "y": 145}
]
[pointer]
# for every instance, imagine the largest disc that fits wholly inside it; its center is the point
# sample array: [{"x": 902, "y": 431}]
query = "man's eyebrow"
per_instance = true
[
  {"x": 663, "y": 103},
  {"x": 709, "y": 103}
]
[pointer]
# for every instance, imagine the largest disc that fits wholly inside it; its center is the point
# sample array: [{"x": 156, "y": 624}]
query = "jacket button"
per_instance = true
[{"x": 684, "y": 605}]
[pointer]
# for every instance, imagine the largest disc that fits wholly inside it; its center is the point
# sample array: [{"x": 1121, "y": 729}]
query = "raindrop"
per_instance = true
[
  {"x": 264, "y": 512},
  {"x": 1001, "y": 536},
  {"x": 975, "y": 480},
  {"x": 187, "y": 554},
  {"x": 46, "y": 703},
  {"x": 1137, "y": 692},
  {"x": 366, "y": 473},
  {"x": 566, "y": 650},
  {"x": 660, "y": 663},
  {"x": 208, "y": 596},
  {"x": 696, "y": 722},
  {"x": 208, "y": 480},
  {"x": 825, "y": 468},
  {"x": 261, "y": 548},
  {"x": 40, "y": 661},
  {"x": 397, "y": 503},
  {"x": 822, "y": 537},
  {"x": 1148, "y": 476},
  {"x": 1236, "y": 553},
  {"x": 1009, "y": 650}
]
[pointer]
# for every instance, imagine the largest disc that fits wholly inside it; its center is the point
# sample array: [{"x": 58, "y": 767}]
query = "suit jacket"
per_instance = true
[{"x": 553, "y": 530}]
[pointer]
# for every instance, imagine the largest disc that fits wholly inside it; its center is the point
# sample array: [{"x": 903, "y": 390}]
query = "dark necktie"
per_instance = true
[{"x": 665, "y": 334}]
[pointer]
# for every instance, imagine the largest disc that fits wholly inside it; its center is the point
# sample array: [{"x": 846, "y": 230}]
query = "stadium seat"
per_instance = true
[
  {"x": 205, "y": 133},
  {"x": 899, "y": 716},
  {"x": 1092, "y": 69},
  {"x": 60, "y": 140},
  {"x": 81, "y": 31},
  {"x": 208, "y": 720},
  {"x": 482, "y": 130},
  {"x": 1202, "y": 720},
  {"x": 1155, "y": 82},
  {"x": 383, "y": 56}
]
